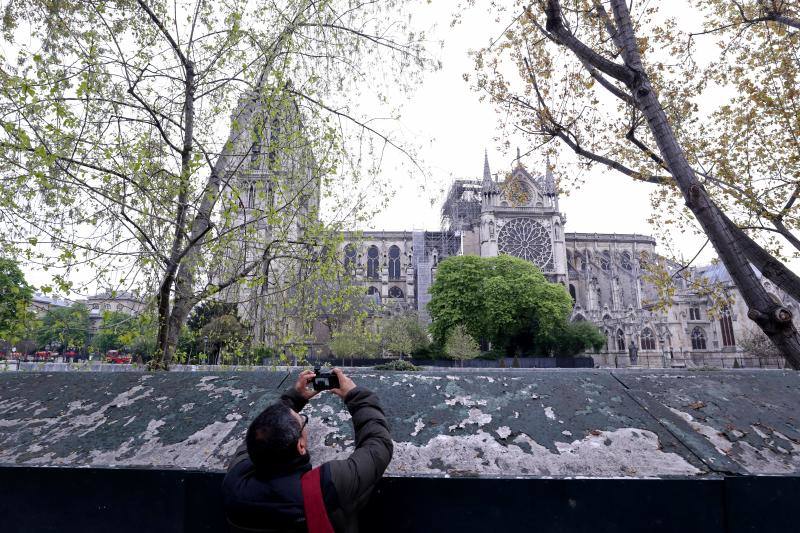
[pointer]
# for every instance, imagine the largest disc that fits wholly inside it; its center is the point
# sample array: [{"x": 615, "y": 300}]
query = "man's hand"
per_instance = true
[
  {"x": 302, "y": 384},
  {"x": 345, "y": 384}
]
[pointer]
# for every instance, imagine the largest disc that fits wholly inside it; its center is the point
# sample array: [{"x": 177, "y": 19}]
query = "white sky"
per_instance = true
[{"x": 453, "y": 128}]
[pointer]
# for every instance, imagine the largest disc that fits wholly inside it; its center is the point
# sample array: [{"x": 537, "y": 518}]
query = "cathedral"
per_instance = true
[
  {"x": 273, "y": 199},
  {"x": 604, "y": 273}
]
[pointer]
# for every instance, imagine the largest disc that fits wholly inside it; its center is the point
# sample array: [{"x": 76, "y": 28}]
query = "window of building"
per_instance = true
[
  {"x": 95, "y": 306},
  {"x": 119, "y": 307},
  {"x": 350, "y": 258},
  {"x": 395, "y": 292},
  {"x": 726, "y": 327},
  {"x": 572, "y": 292},
  {"x": 605, "y": 261},
  {"x": 620, "y": 340},
  {"x": 375, "y": 293},
  {"x": 394, "y": 262},
  {"x": 648, "y": 341},
  {"x": 372, "y": 262},
  {"x": 694, "y": 313},
  {"x": 625, "y": 261},
  {"x": 107, "y": 306},
  {"x": 251, "y": 196},
  {"x": 698, "y": 339}
]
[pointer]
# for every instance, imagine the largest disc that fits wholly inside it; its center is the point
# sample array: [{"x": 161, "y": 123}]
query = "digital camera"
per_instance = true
[{"x": 325, "y": 380}]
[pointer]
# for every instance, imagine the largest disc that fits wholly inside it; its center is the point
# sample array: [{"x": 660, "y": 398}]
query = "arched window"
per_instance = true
[
  {"x": 698, "y": 339},
  {"x": 394, "y": 262},
  {"x": 375, "y": 293},
  {"x": 625, "y": 261},
  {"x": 579, "y": 318},
  {"x": 350, "y": 258},
  {"x": 572, "y": 292},
  {"x": 620, "y": 340},
  {"x": 726, "y": 327},
  {"x": 251, "y": 196},
  {"x": 648, "y": 342},
  {"x": 372, "y": 262},
  {"x": 607, "y": 334},
  {"x": 605, "y": 261},
  {"x": 395, "y": 292}
]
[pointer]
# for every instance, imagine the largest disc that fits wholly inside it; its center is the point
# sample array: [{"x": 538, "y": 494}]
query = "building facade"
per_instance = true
[{"x": 605, "y": 274}]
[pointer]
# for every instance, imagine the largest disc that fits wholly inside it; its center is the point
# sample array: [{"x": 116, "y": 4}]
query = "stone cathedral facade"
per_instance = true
[{"x": 519, "y": 215}]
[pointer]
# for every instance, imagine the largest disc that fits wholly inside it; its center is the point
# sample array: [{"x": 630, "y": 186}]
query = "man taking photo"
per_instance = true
[{"x": 270, "y": 485}]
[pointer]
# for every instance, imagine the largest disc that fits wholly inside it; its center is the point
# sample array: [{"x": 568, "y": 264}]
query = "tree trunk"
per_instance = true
[{"x": 773, "y": 319}]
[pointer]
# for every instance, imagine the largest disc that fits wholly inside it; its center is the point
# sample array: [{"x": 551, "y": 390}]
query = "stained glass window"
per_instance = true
[
  {"x": 372, "y": 262},
  {"x": 698, "y": 339},
  {"x": 394, "y": 262},
  {"x": 647, "y": 340},
  {"x": 529, "y": 240}
]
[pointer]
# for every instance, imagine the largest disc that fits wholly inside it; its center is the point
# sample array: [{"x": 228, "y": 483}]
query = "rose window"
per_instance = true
[{"x": 529, "y": 240}]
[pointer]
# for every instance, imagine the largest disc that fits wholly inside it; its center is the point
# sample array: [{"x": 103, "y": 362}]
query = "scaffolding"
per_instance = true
[{"x": 462, "y": 208}]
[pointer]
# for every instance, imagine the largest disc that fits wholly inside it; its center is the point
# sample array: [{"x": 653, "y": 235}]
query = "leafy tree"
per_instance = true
[
  {"x": 115, "y": 329},
  {"x": 403, "y": 334},
  {"x": 460, "y": 345},
  {"x": 66, "y": 327},
  {"x": 623, "y": 89},
  {"x": 223, "y": 333},
  {"x": 573, "y": 338},
  {"x": 116, "y": 120},
  {"x": 208, "y": 311},
  {"x": 503, "y": 300},
  {"x": 15, "y": 299},
  {"x": 353, "y": 340}
]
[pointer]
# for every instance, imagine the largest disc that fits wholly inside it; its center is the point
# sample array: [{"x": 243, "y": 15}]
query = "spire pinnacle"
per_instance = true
[{"x": 487, "y": 175}]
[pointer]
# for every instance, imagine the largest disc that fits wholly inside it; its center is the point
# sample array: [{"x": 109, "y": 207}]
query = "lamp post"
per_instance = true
[{"x": 205, "y": 347}]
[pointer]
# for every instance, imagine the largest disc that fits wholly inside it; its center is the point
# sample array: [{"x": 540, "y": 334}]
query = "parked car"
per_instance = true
[{"x": 113, "y": 356}]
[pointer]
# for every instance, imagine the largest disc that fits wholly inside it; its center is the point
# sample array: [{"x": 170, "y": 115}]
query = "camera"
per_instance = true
[{"x": 325, "y": 380}]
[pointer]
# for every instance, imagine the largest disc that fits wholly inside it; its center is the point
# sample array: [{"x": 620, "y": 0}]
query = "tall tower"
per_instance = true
[{"x": 490, "y": 191}]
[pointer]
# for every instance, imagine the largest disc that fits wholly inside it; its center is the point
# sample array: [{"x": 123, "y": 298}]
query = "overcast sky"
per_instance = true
[{"x": 453, "y": 128}]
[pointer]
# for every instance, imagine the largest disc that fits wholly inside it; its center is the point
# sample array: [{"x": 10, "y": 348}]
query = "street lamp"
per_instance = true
[{"x": 205, "y": 347}]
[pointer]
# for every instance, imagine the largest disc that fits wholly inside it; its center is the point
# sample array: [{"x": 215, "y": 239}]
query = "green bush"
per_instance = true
[{"x": 399, "y": 364}]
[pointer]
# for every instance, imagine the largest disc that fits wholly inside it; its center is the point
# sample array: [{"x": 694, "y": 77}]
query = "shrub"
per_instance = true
[{"x": 399, "y": 364}]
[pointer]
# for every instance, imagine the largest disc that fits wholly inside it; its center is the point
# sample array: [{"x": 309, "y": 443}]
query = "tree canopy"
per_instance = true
[
  {"x": 64, "y": 327},
  {"x": 15, "y": 298},
  {"x": 402, "y": 334},
  {"x": 460, "y": 345},
  {"x": 503, "y": 300}
]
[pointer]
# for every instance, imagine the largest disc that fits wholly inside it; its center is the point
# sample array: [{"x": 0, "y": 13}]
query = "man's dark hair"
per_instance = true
[{"x": 272, "y": 437}]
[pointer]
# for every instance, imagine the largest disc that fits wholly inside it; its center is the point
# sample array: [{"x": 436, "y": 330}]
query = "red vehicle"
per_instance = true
[
  {"x": 70, "y": 354},
  {"x": 113, "y": 356}
]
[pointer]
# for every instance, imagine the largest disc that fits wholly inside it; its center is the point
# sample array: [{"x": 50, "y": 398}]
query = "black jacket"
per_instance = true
[{"x": 273, "y": 501}]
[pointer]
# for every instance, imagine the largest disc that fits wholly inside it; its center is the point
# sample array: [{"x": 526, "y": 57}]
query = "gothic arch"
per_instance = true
[
  {"x": 625, "y": 261},
  {"x": 350, "y": 257},
  {"x": 646, "y": 340},
  {"x": 394, "y": 262},
  {"x": 698, "y": 339},
  {"x": 395, "y": 292},
  {"x": 375, "y": 293},
  {"x": 605, "y": 261},
  {"x": 573, "y": 293},
  {"x": 373, "y": 269},
  {"x": 620, "y": 340}
]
